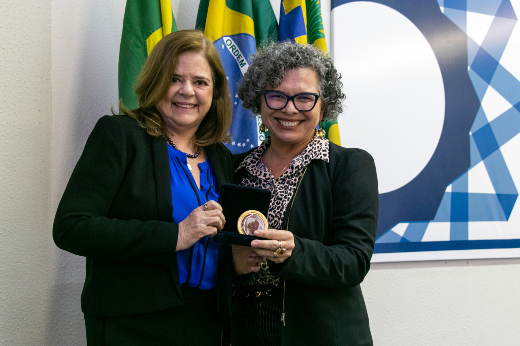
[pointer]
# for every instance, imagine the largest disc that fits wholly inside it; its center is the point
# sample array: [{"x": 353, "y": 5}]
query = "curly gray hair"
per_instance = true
[{"x": 270, "y": 65}]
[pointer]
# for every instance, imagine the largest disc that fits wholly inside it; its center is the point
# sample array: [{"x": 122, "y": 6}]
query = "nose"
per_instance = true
[
  {"x": 290, "y": 107},
  {"x": 186, "y": 89}
]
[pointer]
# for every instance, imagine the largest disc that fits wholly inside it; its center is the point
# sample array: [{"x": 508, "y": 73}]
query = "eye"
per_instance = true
[
  {"x": 176, "y": 80},
  {"x": 276, "y": 96},
  {"x": 201, "y": 82},
  {"x": 305, "y": 98}
]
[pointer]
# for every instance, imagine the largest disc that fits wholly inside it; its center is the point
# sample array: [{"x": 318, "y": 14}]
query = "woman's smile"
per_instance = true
[
  {"x": 184, "y": 105},
  {"x": 289, "y": 123}
]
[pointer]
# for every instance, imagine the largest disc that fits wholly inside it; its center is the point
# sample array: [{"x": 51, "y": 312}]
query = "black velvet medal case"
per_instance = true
[{"x": 235, "y": 201}]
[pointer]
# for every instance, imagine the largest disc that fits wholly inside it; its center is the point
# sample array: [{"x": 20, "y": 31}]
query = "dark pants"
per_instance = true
[
  {"x": 256, "y": 316},
  {"x": 193, "y": 323}
]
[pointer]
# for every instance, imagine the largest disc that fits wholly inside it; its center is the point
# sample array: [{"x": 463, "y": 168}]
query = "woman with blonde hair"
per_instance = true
[{"x": 141, "y": 204}]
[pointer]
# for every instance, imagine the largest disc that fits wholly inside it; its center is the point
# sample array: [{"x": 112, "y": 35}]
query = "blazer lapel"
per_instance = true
[
  {"x": 161, "y": 166},
  {"x": 220, "y": 166}
]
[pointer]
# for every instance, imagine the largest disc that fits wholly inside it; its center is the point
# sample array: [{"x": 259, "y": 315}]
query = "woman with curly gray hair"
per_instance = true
[{"x": 301, "y": 285}]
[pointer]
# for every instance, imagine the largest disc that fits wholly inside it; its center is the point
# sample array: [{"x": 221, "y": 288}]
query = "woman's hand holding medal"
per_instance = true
[
  {"x": 202, "y": 221},
  {"x": 277, "y": 247}
]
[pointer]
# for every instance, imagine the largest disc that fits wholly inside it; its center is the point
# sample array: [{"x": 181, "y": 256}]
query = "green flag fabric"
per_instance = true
[
  {"x": 261, "y": 23},
  {"x": 144, "y": 24}
]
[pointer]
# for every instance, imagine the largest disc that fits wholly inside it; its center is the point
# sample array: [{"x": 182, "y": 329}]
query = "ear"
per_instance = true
[{"x": 322, "y": 111}]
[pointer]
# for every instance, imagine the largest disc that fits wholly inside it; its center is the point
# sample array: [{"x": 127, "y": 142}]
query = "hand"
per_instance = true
[
  {"x": 245, "y": 260},
  {"x": 266, "y": 248},
  {"x": 199, "y": 224}
]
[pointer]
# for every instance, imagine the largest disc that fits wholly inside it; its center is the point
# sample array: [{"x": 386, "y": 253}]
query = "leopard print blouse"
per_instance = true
[{"x": 282, "y": 190}]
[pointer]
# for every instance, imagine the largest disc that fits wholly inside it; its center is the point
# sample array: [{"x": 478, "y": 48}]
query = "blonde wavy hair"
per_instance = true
[{"x": 156, "y": 76}]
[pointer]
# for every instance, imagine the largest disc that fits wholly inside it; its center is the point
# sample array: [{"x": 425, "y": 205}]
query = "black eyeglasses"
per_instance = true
[{"x": 278, "y": 100}]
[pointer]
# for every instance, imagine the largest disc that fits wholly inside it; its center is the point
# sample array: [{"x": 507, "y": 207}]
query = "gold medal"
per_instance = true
[{"x": 250, "y": 221}]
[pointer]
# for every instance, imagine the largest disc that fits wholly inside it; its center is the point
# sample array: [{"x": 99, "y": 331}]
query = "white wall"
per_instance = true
[
  {"x": 58, "y": 75},
  {"x": 25, "y": 149},
  {"x": 459, "y": 303}
]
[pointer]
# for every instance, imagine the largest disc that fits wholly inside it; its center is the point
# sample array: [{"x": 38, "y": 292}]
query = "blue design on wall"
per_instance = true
[
  {"x": 419, "y": 199},
  {"x": 469, "y": 142}
]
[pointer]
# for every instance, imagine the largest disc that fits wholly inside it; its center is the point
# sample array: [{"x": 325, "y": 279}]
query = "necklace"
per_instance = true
[
  {"x": 277, "y": 174},
  {"x": 274, "y": 176},
  {"x": 189, "y": 156}
]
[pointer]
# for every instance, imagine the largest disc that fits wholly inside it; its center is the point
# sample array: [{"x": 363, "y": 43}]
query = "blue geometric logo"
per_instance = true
[{"x": 466, "y": 203}]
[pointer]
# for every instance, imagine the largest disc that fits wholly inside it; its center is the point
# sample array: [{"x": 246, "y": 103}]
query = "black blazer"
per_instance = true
[
  {"x": 117, "y": 212},
  {"x": 333, "y": 216}
]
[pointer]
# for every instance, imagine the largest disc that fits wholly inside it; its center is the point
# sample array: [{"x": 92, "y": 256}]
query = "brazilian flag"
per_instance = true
[
  {"x": 237, "y": 28},
  {"x": 301, "y": 22},
  {"x": 144, "y": 24}
]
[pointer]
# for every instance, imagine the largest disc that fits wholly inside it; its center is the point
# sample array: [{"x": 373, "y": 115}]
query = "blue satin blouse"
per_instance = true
[{"x": 197, "y": 265}]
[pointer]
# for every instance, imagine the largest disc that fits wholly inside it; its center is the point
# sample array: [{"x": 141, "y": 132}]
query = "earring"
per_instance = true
[
  {"x": 319, "y": 132},
  {"x": 262, "y": 128}
]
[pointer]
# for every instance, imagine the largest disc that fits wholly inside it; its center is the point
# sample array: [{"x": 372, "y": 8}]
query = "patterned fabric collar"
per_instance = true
[
  {"x": 317, "y": 149},
  {"x": 282, "y": 190}
]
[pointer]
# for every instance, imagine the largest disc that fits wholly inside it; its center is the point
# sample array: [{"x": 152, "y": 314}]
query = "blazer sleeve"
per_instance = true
[
  {"x": 345, "y": 259},
  {"x": 81, "y": 225}
]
